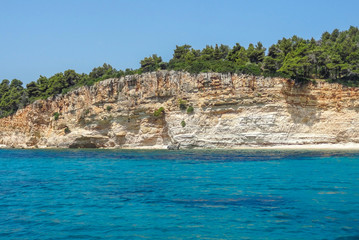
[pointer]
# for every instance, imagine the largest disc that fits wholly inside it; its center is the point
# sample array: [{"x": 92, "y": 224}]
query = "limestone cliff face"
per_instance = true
[{"x": 229, "y": 111}]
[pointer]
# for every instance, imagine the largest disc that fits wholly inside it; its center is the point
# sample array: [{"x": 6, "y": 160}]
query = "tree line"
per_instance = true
[{"x": 334, "y": 57}]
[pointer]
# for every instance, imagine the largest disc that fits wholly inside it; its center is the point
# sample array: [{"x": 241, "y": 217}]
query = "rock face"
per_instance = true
[{"x": 229, "y": 111}]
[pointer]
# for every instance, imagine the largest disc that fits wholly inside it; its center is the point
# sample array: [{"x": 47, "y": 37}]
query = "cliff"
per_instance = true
[{"x": 229, "y": 111}]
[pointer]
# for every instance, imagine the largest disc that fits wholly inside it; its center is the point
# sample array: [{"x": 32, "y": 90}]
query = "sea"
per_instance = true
[{"x": 186, "y": 194}]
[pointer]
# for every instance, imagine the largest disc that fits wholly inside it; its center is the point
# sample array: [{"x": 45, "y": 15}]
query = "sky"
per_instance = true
[{"x": 44, "y": 37}]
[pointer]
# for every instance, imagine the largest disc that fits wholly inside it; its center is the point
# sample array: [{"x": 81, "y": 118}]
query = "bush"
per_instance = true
[
  {"x": 251, "y": 69},
  {"x": 182, "y": 104},
  {"x": 67, "y": 130},
  {"x": 56, "y": 116},
  {"x": 190, "y": 109},
  {"x": 159, "y": 112},
  {"x": 183, "y": 123},
  {"x": 109, "y": 108}
]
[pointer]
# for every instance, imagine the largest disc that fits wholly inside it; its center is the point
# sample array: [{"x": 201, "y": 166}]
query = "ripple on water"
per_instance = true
[{"x": 104, "y": 194}]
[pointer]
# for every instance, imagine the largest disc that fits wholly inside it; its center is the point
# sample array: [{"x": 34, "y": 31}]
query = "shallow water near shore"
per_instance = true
[{"x": 197, "y": 194}]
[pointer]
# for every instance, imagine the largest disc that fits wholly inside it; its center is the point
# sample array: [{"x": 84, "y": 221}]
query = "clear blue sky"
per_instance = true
[{"x": 46, "y": 37}]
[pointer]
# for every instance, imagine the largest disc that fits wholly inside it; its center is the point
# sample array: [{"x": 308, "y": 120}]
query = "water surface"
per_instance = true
[{"x": 127, "y": 194}]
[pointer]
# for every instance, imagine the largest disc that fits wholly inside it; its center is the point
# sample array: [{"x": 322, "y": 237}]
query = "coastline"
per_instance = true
[
  {"x": 231, "y": 111},
  {"x": 324, "y": 146},
  {"x": 344, "y": 146}
]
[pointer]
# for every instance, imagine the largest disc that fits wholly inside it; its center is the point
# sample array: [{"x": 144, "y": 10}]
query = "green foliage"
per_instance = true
[
  {"x": 33, "y": 90},
  {"x": 296, "y": 62},
  {"x": 183, "y": 123},
  {"x": 159, "y": 112},
  {"x": 256, "y": 54},
  {"x": 182, "y": 104},
  {"x": 335, "y": 57},
  {"x": 56, "y": 116},
  {"x": 153, "y": 63},
  {"x": 250, "y": 68},
  {"x": 180, "y": 52},
  {"x": 109, "y": 108},
  {"x": 67, "y": 130},
  {"x": 100, "y": 72},
  {"x": 190, "y": 109},
  {"x": 12, "y": 97}
]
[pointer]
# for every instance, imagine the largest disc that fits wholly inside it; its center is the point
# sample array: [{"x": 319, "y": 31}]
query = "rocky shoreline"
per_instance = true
[
  {"x": 348, "y": 146},
  {"x": 207, "y": 110}
]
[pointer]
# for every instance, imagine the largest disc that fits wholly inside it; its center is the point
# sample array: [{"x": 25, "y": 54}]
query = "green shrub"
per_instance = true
[
  {"x": 251, "y": 69},
  {"x": 182, "y": 104},
  {"x": 65, "y": 90},
  {"x": 183, "y": 123},
  {"x": 67, "y": 130},
  {"x": 159, "y": 112},
  {"x": 109, "y": 108},
  {"x": 190, "y": 109},
  {"x": 56, "y": 116}
]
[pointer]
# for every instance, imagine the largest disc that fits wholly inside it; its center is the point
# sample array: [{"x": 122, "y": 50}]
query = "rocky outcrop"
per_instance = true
[{"x": 229, "y": 111}]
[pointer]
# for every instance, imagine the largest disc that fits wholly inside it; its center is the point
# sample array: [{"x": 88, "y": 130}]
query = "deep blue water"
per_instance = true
[{"x": 247, "y": 194}]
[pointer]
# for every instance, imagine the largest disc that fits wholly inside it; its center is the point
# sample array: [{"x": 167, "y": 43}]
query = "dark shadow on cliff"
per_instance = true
[{"x": 302, "y": 104}]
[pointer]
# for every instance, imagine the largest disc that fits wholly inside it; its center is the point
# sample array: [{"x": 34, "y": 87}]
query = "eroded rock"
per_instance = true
[{"x": 230, "y": 111}]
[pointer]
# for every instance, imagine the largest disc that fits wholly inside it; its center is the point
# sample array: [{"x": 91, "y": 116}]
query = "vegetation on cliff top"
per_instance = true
[{"x": 335, "y": 57}]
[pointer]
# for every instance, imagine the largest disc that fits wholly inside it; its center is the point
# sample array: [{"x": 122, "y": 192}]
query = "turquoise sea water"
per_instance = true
[{"x": 247, "y": 194}]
